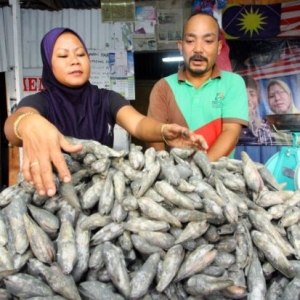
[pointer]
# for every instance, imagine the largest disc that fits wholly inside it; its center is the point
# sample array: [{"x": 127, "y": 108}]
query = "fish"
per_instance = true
[
  {"x": 23, "y": 285},
  {"x": 143, "y": 278},
  {"x": 201, "y": 284},
  {"x": 171, "y": 194},
  {"x": 252, "y": 176},
  {"x": 66, "y": 247},
  {"x": 116, "y": 267},
  {"x": 196, "y": 261},
  {"x": 273, "y": 253},
  {"x": 92, "y": 289},
  {"x": 170, "y": 266},
  {"x": 40, "y": 243},
  {"x": 255, "y": 279},
  {"x": 155, "y": 211}
]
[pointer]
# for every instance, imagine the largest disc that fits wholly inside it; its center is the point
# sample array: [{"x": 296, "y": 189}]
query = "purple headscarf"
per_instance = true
[{"x": 77, "y": 112}]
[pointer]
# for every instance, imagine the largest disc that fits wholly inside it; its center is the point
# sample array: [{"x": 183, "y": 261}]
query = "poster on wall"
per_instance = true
[
  {"x": 169, "y": 27},
  {"x": 117, "y": 11},
  {"x": 265, "y": 49},
  {"x": 271, "y": 71}
]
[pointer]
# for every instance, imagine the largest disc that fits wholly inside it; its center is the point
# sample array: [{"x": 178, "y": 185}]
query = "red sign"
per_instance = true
[{"x": 32, "y": 84}]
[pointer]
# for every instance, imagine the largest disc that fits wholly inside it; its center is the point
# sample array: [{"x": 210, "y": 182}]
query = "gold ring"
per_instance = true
[{"x": 35, "y": 163}]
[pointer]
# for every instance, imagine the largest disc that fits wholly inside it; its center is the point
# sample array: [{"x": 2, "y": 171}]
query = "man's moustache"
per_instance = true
[{"x": 198, "y": 57}]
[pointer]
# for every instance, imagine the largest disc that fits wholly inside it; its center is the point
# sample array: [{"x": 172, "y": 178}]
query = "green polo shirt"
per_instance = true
[{"x": 220, "y": 99}]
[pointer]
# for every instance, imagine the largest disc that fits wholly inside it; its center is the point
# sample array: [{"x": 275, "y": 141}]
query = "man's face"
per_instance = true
[
  {"x": 200, "y": 45},
  {"x": 252, "y": 99}
]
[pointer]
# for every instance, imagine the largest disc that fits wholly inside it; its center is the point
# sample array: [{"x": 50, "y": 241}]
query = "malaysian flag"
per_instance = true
[
  {"x": 261, "y": 21},
  {"x": 288, "y": 63},
  {"x": 290, "y": 20}
]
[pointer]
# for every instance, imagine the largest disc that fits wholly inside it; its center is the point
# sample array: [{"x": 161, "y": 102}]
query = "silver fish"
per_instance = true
[
  {"x": 201, "y": 284},
  {"x": 92, "y": 289},
  {"x": 138, "y": 224},
  {"x": 92, "y": 195},
  {"x": 136, "y": 157},
  {"x": 40, "y": 243},
  {"x": 95, "y": 221},
  {"x": 149, "y": 156},
  {"x": 116, "y": 267},
  {"x": 294, "y": 238},
  {"x": 251, "y": 174},
  {"x": 107, "y": 233},
  {"x": 268, "y": 198},
  {"x": 163, "y": 240},
  {"x": 155, "y": 211},
  {"x": 170, "y": 266},
  {"x": 196, "y": 261},
  {"x": 100, "y": 166},
  {"x": 239, "y": 288},
  {"x": 25, "y": 286},
  {"x": 273, "y": 253},
  {"x": 20, "y": 260},
  {"x": 169, "y": 172},
  {"x": 62, "y": 284},
  {"x": 66, "y": 247},
  {"x": 45, "y": 219},
  {"x": 96, "y": 260},
  {"x": 173, "y": 195},
  {"x": 290, "y": 217},
  {"x": 244, "y": 246},
  {"x": 107, "y": 195},
  {"x": 119, "y": 184},
  {"x": 192, "y": 231},
  {"x": 143, "y": 278},
  {"x": 224, "y": 259},
  {"x": 6, "y": 259},
  {"x": 129, "y": 172},
  {"x": 292, "y": 290},
  {"x": 226, "y": 244},
  {"x": 82, "y": 238},
  {"x": 143, "y": 246},
  {"x": 276, "y": 288},
  {"x": 201, "y": 160},
  {"x": 130, "y": 203},
  {"x": 118, "y": 213},
  {"x": 255, "y": 279},
  {"x": 262, "y": 224},
  {"x": 14, "y": 213},
  {"x": 147, "y": 180}
]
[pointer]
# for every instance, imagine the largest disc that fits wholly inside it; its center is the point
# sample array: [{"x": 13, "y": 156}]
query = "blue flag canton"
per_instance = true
[{"x": 251, "y": 21}]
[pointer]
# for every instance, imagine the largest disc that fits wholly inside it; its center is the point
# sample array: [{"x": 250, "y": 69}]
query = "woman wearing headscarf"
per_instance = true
[
  {"x": 280, "y": 98},
  {"x": 71, "y": 106}
]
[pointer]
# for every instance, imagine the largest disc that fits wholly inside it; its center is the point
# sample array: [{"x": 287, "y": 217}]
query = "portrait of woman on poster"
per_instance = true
[
  {"x": 280, "y": 98},
  {"x": 258, "y": 130}
]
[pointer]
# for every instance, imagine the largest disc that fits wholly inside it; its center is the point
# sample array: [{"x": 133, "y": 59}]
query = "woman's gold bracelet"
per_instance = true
[
  {"x": 16, "y": 123},
  {"x": 162, "y": 133}
]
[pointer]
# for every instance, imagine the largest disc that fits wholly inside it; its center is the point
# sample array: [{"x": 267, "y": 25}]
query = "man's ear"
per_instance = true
[
  {"x": 220, "y": 46},
  {"x": 179, "y": 45}
]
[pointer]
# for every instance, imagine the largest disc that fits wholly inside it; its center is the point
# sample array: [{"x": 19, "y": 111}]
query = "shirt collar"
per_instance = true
[{"x": 216, "y": 72}]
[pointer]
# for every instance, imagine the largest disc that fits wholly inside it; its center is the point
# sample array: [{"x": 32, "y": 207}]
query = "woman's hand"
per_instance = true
[
  {"x": 178, "y": 136},
  {"x": 42, "y": 151}
]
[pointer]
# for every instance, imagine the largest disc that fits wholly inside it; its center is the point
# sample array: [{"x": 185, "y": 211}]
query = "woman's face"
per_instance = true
[
  {"x": 70, "y": 62},
  {"x": 252, "y": 99},
  {"x": 279, "y": 99}
]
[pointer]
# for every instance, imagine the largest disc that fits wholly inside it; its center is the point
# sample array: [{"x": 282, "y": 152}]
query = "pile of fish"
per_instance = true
[{"x": 151, "y": 225}]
